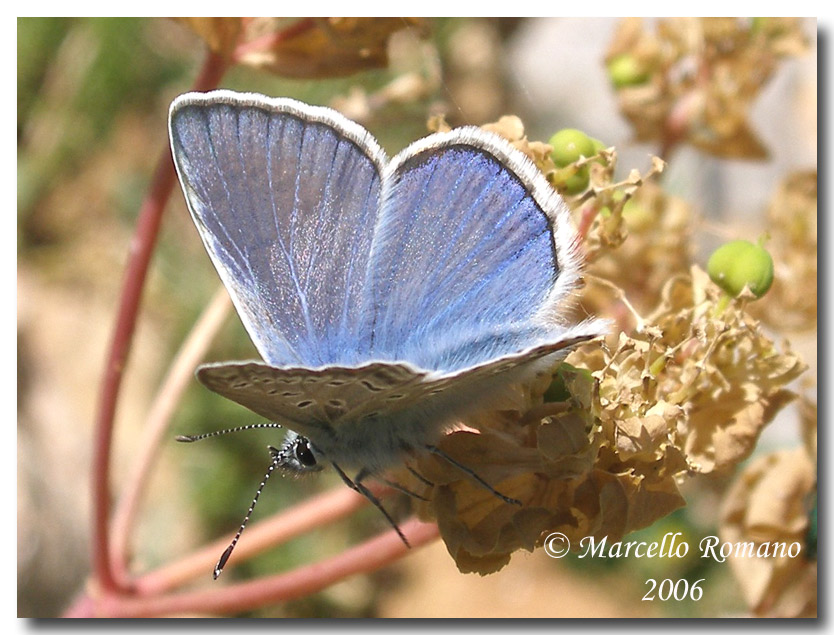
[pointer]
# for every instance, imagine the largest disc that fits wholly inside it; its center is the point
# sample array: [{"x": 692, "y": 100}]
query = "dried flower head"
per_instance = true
[
  {"x": 694, "y": 79},
  {"x": 791, "y": 304},
  {"x": 303, "y": 47},
  {"x": 597, "y": 448},
  {"x": 688, "y": 392},
  {"x": 656, "y": 246},
  {"x": 769, "y": 504},
  {"x": 719, "y": 365}
]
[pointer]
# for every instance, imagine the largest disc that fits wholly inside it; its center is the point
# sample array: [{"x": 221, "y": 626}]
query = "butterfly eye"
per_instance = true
[{"x": 303, "y": 452}]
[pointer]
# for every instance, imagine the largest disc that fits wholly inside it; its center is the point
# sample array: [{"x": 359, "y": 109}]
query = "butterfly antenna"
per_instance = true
[
  {"x": 277, "y": 459},
  {"x": 183, "y": 438},
  {"x": 435, "y": 450}
]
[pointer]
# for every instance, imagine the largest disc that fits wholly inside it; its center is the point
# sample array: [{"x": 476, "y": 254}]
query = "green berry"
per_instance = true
[
  {"x": 740, "y": 263},
  {"x": 570, "y": 180},
  {"x": 598, "y": 147},
  {"x": 569, "y": 145},
  {"x": 626, "y": 70},
  {"x": 579, "y": 181}
]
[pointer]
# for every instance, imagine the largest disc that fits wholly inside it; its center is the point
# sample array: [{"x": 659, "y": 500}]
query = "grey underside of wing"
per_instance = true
[
  {"x": 314, "y": 399},
  {"x": 311, "y": 398}
]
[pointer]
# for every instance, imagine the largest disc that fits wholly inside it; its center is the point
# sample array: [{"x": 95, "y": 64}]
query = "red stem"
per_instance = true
[
  {"x": 270, "y": 40},
  {"x": 586, "y": 219},
  {"x": 225, "y": 599},
  {"x": 164, "y": 405},
  {"x": 141, "y": 248},
  {"x": 301, "y": 518}
]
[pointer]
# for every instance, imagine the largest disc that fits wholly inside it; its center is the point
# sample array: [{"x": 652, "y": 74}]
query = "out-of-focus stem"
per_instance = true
[
  {"x": 369, "y": 556},
  {"x": 299, "y": 519},
  {"x": 139, "y": 255},
  {"x": 167, "y": 399},
  {"x": 587, "y": 215},
  {"x": 266, "y": 42}
]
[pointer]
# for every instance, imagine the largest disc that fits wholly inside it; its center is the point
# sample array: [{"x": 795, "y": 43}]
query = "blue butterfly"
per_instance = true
[{"x": 389, "y": 299}]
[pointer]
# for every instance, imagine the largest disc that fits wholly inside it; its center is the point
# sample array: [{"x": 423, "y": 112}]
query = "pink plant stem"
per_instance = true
[
  {"x": 141, "y": 248},
  {"x": 299, "y": 519},
  {"x": 587, "y": 215},
  {"x": 270, "y": 40},
  {"x": 369, "y": 556},
  {"x": 179, "y": 376}
]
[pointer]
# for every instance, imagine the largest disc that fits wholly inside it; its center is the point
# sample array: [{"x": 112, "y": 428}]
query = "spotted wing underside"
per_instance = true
[{"x": 312, "y": 399}]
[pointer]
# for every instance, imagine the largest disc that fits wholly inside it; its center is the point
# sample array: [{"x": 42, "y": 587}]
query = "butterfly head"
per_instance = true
[{"x": 296, "y": 455}]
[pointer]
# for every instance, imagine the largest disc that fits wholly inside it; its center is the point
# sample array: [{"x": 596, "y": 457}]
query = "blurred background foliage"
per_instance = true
[{"x": 93, "y": 97}]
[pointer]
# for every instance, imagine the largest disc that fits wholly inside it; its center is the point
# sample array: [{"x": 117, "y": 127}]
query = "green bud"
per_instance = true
[
  {"x": 626, "y": 70},
  {"x": 577, "y": 183},
  {"x": 740, "y": 263},
  {"x": 569, "y": 145},
  {"x": 599, "y": 146}
]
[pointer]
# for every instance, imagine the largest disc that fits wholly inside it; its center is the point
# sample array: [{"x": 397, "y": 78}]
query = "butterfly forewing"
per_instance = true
[{"x": 285, "y": 197}]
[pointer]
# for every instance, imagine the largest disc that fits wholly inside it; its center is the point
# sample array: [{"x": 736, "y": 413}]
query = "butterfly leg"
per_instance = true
[
  {"x": 419, "y": 476},
  {"x": 400, "y": 488},
  {"x": 438, "y": 452},
  {"x": 356, "y": 486}
]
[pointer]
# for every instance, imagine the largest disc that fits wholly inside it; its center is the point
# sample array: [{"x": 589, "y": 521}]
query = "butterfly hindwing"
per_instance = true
[
  {"x": 312, "y": 398},
  {"x": 466, "y": 246}
]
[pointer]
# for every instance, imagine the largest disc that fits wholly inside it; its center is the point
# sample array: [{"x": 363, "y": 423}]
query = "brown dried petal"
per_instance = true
[
  {"x": 769, "y": 503},
  {"x": 322, "y": 47},
  {"x": 640, "y": 436},
  {"x": 791, "y": 303},
  {"x": 509, "y": 126},
  {"x": 221, "y": 35},
  {"x": 720, "y": 437},
  {"x": 563, "y": 443}
]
